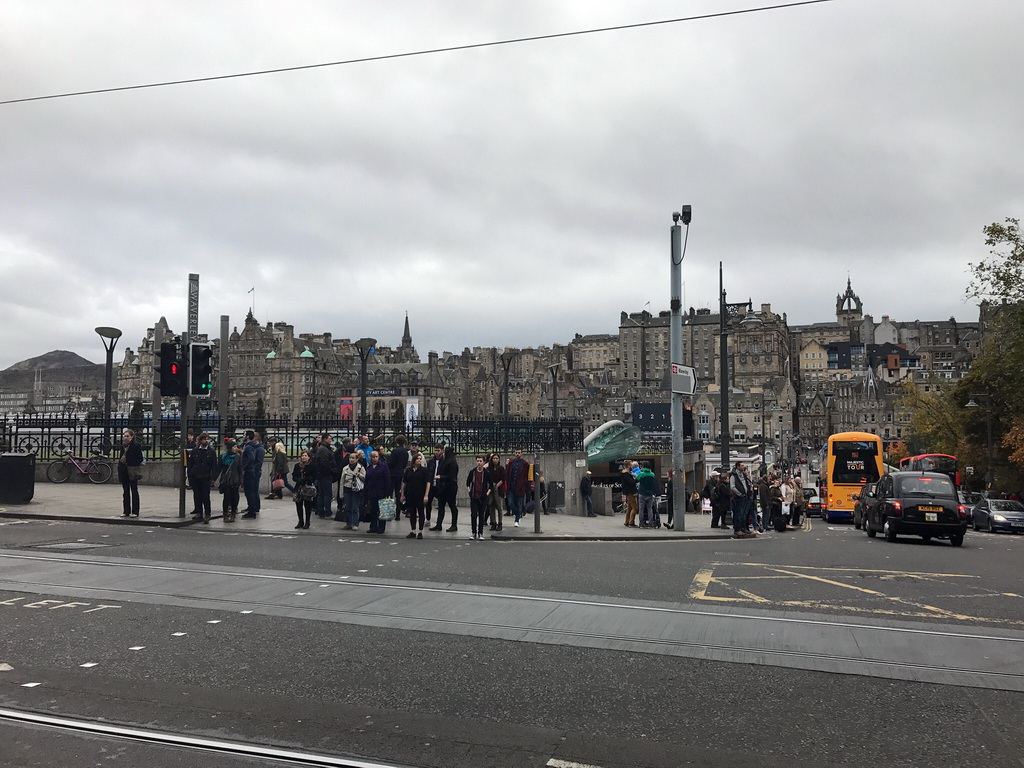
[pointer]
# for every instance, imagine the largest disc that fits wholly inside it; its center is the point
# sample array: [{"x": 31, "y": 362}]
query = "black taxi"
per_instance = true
[{"x": 916, "y": 503}]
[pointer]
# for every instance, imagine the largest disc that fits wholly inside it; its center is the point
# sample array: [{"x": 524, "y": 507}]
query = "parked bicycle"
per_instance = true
[{"x": 94, "y": 467}]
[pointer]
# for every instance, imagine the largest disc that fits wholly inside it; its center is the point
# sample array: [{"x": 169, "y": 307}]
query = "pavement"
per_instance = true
[{"x": 88, "y": 503}]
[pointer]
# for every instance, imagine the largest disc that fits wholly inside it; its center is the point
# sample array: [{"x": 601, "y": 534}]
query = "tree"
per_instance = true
[
  {"x": 1002, "y": 276},
  {"x": 136, "y": 412},
  {"x": 261, "y": 409}
]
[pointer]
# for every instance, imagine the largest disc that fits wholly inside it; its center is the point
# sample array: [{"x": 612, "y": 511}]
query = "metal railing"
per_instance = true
[{"x": 51, "y": 438}]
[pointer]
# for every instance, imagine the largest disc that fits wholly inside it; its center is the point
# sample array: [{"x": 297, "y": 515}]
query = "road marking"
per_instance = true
[
  {"x": 540, "y": 598},
  {"x": 897, "y": 606},
  {"x": 556, "y": 763}
]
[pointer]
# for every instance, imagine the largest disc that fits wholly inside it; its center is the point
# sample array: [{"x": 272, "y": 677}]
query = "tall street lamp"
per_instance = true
[
  {"x": 365, "y": 348},
  {"x": 726, "y": 311},
  {"x": 989, "y": 469},
  {"x": 109, "y": 336},
  {"x": 506, "y": 358}
]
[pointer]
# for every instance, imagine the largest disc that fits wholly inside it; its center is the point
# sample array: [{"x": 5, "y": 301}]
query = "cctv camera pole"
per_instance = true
[{"x": 676, "y": 343}]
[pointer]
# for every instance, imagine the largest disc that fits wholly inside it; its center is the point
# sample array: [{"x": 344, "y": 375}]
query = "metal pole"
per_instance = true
[
  {"x": 362, "y": 389},
  {"x": 988, "y": 428},
  {"x": 223, "y": 394},
  {"x": 723, "y": 368},
  {"x": 676, "y": 356},
  {"x": 536, "y": 495}
]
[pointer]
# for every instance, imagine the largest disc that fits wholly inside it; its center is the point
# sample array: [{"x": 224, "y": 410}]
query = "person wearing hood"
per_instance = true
[{"x": 647, "y": 489}]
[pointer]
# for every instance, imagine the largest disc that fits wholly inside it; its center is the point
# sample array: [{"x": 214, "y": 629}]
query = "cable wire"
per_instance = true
[{"x": 407, "y": 54}]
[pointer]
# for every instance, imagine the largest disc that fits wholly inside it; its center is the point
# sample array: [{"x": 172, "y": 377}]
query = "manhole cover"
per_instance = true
[{"x": 69, "y": 545}]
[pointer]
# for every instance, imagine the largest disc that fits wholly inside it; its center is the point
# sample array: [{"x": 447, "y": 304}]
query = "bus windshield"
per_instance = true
[{"x": 855, "y": 463}]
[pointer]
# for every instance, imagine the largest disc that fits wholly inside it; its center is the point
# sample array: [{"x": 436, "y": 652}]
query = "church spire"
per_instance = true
[{"x": 406, "y": 336}]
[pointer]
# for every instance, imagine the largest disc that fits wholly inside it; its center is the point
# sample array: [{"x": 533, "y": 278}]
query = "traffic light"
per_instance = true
[
  {"x": 200, "y": 367},
  {"x": 170, "y": 379}
]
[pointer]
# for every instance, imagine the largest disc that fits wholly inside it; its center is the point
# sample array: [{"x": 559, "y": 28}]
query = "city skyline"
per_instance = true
[{"x": 502, "y": 193}]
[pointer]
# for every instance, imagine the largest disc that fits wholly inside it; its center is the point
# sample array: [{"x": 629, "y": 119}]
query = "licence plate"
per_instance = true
[
  {"x": 931, "y": 517},
  {"x": 930, "y": 509},
  {"x": 1018, "y": 525}
]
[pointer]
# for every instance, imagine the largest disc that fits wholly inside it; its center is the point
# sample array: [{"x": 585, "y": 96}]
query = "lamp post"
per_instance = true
[
  {"x": 989, "y": 469},
  {"x": 365, "y": 348},
  {"x": 725, "y": 312},
  {"x": 506, "y": 358},
  {"x": 110, "y": 337}
]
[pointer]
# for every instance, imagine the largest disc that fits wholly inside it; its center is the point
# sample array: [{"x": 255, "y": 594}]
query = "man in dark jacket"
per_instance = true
[
  {"x": 202, "y": 468},
  {"x": 325, "y": 463},
  {"x": 586, "y": 488},
  {"x": 252, "y": 468},
  {"x": 436, "y": 483},
  {"x": 398, "y": 460}
]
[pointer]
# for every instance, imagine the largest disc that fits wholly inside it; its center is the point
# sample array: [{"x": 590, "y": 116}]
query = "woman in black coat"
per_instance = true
[
  {"x": 304, "y": 476},
  {"x": 129, "y": 472}
]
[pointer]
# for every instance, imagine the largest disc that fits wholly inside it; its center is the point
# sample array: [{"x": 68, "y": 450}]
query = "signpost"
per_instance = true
[{"x": 683, "y": 379}]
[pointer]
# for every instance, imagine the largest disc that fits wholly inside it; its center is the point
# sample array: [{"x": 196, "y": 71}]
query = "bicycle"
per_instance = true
[{"x": 96, "y": 469}]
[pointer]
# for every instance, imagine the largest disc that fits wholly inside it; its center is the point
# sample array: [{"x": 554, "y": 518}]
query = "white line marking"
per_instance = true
[
  {"x": 89, "y": 664},
  {"x": 178, "y": 634},
  {"x": 30, "y": 685},
  {"x": 526, "y": 598},
  {"x": 136, "y": 648},
  {"x": 556, "y": 763},
  {"x": 213, "y": 621}
]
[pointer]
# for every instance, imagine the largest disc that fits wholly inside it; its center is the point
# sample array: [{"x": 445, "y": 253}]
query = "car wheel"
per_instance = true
[
  {"x": 974, "y": 524},
  {"x": 868, "y": 530},
  {"x": 856, "y": 523},
  {"x": 926, "y": 537},
  {"x": 956, "y": 539},
  {"x": 890, "y": 533}
]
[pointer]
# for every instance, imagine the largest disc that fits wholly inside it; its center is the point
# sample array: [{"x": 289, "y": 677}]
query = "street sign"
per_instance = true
[
  {"x": 969, "y": 470},
  {"x": 683, "y": 379}
]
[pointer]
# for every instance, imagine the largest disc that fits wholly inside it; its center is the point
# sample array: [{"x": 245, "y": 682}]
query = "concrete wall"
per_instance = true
[{"x": 557, "y": 467}]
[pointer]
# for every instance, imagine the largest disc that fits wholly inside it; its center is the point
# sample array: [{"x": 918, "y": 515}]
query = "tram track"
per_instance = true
[{"x": 223, "y": 747}]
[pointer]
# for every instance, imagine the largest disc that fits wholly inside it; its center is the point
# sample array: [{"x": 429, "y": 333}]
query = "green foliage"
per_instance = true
[
  {"x": 136, "y": 412},
  {"x": 261, "y": 409},
  {"x": 1000, "y": 277}
]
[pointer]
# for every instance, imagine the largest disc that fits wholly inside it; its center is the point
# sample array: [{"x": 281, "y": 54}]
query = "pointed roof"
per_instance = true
[{"x": 406, "y": 336}]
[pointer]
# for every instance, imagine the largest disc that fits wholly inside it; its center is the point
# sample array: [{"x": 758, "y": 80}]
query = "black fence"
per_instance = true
[{"x": 51, "y": 438}]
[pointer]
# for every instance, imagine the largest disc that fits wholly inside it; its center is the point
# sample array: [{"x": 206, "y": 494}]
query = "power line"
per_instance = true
[{"x": 408, "y": 54}]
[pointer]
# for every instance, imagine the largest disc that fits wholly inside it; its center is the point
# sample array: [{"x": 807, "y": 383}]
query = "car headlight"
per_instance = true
[{"x": 999, "y": 518}]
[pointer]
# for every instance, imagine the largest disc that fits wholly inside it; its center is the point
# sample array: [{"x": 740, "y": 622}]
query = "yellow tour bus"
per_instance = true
[{"x": 851, "y": 460}]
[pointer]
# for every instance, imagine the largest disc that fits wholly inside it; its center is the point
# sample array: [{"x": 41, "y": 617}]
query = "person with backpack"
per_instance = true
[
  {"x": 721, "y": 500},
  {"x": 647, "y": 489},
  {"x": 229, "y": 474}
]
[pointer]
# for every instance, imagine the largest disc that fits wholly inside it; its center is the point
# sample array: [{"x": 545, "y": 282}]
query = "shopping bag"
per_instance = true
[{"x": 387, "y": 509}]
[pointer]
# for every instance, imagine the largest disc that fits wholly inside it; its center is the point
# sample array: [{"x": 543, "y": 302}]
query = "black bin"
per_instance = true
[{"x": 17, "y": 478}]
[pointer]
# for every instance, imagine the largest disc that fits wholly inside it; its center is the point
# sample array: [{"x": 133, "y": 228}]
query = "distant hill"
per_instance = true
[
  {"x": 59, "y": 366},
  {"x": 58, "y": 358}
]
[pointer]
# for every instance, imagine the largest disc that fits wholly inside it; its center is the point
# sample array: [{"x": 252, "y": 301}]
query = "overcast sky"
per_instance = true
[{"x": 514, "y": 194}]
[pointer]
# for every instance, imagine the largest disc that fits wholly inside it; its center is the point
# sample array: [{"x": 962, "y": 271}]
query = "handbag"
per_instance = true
[
  {"x": 306, "y": 492},
  {"x": 387, "y": 509},
  {"x": 277, "y": 484},
  {"x": 135, "y": 474}
]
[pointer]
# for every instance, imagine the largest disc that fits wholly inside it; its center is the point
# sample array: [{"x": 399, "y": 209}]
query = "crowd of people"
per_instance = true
[
  {"x": 360, "y": 482},
  {"x": 775, "y": 500}
]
